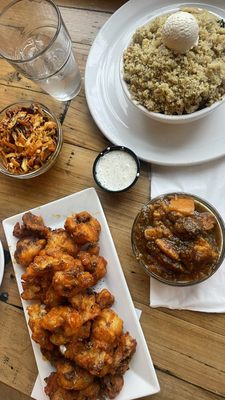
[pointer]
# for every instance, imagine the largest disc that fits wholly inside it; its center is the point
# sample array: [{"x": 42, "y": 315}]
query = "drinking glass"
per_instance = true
[{"x": 35, "y": 41}]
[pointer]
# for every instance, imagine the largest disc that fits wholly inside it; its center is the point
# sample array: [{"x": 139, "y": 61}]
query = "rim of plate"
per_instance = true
[{"x": 2, "y": 262}]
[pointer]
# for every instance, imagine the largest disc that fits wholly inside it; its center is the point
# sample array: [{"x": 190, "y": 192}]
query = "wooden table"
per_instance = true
[{"x": 187, "y": 348}]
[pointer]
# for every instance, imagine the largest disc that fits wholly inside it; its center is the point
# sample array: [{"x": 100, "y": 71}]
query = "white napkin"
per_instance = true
[
  {"x": 38, "y": 392},
  {"x": 206, "y": 181}
]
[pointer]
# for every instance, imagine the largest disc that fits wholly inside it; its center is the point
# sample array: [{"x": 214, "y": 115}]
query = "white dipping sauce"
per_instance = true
[{"x": 116, "y": 170}]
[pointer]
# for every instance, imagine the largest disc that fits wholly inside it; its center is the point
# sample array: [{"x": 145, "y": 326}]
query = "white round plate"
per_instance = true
[
  {"x": 120, "y": 121},
  {"x": 2, "y": 262}
]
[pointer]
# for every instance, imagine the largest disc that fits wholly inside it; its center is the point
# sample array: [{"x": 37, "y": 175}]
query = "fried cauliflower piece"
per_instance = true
[
  {"x": 83, "y": 227},
  {"x": 58, "y": 338},
  {"x": 91, "y": 392},
  {"x": 90, "y": 357},
  {"x": 27, "y": 248},
  {"x": 104, "y": 299},
  {"x": 70, "y": 376},
  {"x": 44, "y": 263},
  {"x": 64, "y": 317},
  {"x": 94, "y": 264},
  {"x": 32, "y": 291},
  {"x": 124, "y": 352},
  {"x": 60, "y": 240},
  {"x": 37, "y": 279},
  {"x": 107, "y": 328},
  {"x": 85, "y": 304},
  {"x": 100, "y": 362},
  {"x": 70, "y": 282},
  {"x": 97, "y": 354},
  {"x": 33, "y": 225},
  {"x": 53, "y": 356},
  {"x": 52, "y": 298},
  {"x": 56, "y": 392},
  {"x": 41, "y": 265},
  {"x": 112, "y": 385},
  {"x": 89, "y": 304},
  {"x": 36, "y": 288},
  {"x": 36, "y": 314},
  {"x": 93, "y": 248}
]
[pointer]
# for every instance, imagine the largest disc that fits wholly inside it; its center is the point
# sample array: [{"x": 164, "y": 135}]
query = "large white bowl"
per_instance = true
[{"x": 169, "y": 119}]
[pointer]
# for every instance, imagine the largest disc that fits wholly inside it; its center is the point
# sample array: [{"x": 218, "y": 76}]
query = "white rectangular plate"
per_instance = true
[{"x": 140, "y": 380}]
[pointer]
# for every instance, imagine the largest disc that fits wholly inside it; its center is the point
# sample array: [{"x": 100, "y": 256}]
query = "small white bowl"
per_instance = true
[
  {"x": 2, "y": 262},
  {"x": 114, "y": 178}
]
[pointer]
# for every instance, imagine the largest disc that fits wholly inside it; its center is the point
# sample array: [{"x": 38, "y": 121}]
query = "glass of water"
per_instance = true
[{"x": 35, "y": 41}]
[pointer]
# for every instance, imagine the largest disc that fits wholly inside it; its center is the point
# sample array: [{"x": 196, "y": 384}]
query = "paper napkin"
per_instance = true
[
  {"x": 38, "y": 392},
  {"x": 206, "y": 181}
]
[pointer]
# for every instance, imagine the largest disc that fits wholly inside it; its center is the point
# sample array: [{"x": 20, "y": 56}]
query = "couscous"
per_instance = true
[{"x": 164, "y": 81}]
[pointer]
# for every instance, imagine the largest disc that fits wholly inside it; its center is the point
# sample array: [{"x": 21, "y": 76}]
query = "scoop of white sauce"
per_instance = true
[
  {"x": 116, "y": 170},
  {"x": 180, "y": 32}
]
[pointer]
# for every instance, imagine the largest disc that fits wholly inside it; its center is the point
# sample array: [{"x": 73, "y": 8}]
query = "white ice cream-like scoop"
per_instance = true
[{"x": 180, "y": 32}]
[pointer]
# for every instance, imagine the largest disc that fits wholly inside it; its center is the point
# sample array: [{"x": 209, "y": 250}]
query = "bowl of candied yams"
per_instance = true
[
  {"x": 178, "y": 239},
  {"x": 74, "y": 324}
]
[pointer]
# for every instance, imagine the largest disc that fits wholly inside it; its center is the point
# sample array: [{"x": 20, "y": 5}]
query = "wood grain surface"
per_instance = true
[{"x": 187, "y": 348}]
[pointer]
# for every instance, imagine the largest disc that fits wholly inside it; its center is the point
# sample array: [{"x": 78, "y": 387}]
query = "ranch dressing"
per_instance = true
[{"x": 116, "y": 170}]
